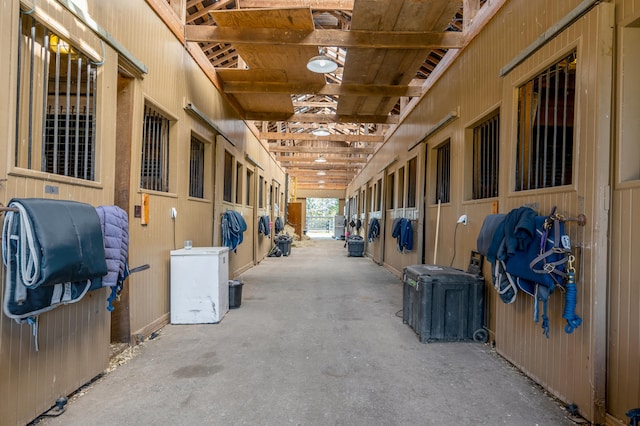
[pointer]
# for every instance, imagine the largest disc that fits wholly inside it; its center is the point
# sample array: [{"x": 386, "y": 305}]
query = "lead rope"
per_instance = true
[
  {"x": 571, "y": 299},
  {"x": 26, "y": 261}
]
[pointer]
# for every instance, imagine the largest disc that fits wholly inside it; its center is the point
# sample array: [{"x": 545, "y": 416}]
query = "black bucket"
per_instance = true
[{"x": 235, "y": 293}]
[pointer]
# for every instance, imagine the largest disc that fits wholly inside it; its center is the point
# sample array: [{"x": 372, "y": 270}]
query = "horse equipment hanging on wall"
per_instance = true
[{"x": 532, "y": 254}]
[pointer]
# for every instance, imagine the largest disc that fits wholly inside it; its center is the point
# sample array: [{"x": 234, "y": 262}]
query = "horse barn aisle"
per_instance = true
[{"x": 316, "y": 341}]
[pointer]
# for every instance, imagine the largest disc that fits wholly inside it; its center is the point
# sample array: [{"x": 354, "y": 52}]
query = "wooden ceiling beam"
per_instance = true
[
  {"x": 310, "y": 137},
  {"x": 313, "y": 4},
  {"x": 321, "y": 118},
  {"x": 321, "y": 150},
  {"x": 309, "y": 104},
  {"x": 311, "y": 180},
  {"x": 315, "y": 179},
  {"x": 287, "y": 159},
  {"x": 405, "y": 40},
  {"x": 381, "y": 90},
  {"x": 326, "y": 177},
  {"x": 342, "y": 167},
  {"x": 204, "y": 11},
  {"x": 328, "y": 174},
  {"x": 316, "y": 184}
]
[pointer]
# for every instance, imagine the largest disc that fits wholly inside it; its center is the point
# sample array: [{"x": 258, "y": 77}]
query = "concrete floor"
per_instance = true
[{"x": 316, "y": 341}]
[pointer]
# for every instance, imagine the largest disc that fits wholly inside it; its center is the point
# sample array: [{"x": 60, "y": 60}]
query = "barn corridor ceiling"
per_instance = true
[{"x": 385, "y": 50}]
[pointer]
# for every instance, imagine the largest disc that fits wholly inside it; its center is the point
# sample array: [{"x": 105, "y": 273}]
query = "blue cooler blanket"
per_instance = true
[{"x": 53, "y": 253}]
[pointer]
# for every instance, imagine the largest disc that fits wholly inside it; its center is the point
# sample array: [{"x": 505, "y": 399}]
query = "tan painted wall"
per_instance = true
[
  {"x": 173, "y": 80},
  {"x": 73, "y": 340},
  {"x": 623, "y": 367},
  {"x": 70, "y": 356},
  {"x": 569, "y": 366},
  {"x": 572, "y": 367}
]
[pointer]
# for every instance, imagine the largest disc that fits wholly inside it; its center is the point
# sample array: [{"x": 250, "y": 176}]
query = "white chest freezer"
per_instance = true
[
  {"x": 199, "y": 285},
  {"x": 338, "y": 227}
]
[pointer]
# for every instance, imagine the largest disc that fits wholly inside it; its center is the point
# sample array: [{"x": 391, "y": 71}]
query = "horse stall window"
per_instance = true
[
  {"x": 486, "y": 157},
  {"x": 378, "y": 195},
  {"x": 411, "y": 182},
  {"x": 249, "y": 183},
  {"x": 391, "y": 195},
  {"x": 261, "y": 192},
  {"x": 364, "y": 199},
  {"x": 154, "y": 173},
  {"x": 270, "y": 201},
  {"x": 545, "y": 127},
  {"x": 628, "y": 105},
  {"x": 227, "y": 188},
  {"x": 239, "y": 186},
  {"x": 55, "y": 104},
  {"x": 443, "y": 172},
  {"x": 401, "y": 187},
  {"x": 196, "y": 168}
]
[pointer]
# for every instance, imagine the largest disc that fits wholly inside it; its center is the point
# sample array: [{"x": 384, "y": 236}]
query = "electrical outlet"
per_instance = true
[{"x": 174, "y": 213}]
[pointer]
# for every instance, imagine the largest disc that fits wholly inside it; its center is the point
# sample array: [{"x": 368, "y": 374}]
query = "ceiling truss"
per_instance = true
[{"x": 385, "y": 50}]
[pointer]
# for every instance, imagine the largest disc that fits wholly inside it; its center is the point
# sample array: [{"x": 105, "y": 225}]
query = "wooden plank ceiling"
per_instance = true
[{"x": 385, "y": 50}]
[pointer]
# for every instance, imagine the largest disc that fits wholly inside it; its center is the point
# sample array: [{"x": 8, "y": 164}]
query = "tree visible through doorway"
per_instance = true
[{"x": 320, "y": 218}]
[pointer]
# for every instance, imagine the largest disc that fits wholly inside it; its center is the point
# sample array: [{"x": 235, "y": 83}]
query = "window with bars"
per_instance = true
[
  {"x": 391, "y": 194},
  {"x": 227, "y": 190},
  {"x": 249, "y": 183},
  {"x": 196, "y": 168},
  {"x": 401, "y": 187},
  {"x": 261, "y": 192},
  {"x": 486, "y": 157},
  {"x": 443, "y": 172},
  {"x": 154, "y": 174},
  {"x": 55, "y": 104},
  {"x": 411, "y": 182},
  {"x": 545, "y": 127},
  {"x": 239, "y": 186}
]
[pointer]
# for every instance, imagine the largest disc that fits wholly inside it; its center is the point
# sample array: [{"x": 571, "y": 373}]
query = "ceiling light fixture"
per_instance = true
[
  {"x": 321, "y": 173},
  {"x": 322, "y": 64},
  {"x": 320, "y": 159},
  {"x": 321, "y": 131},
  {"x": 320, "y": 181}
]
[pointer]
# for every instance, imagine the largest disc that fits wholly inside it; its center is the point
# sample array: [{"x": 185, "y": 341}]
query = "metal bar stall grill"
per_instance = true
[
  {"x": 44, "y": 55},
  {"x": 486, "y": 140},
  {"x": 56, "y": 105},
  {"x": 196, "y": 181},
  {"x": 443, "y": 172},
  {"x": 66, "y": 116},
  {"x": 545, "y": 128},
  {"x": 77, "y": 116},
  {"x": 155, "y": 151}
]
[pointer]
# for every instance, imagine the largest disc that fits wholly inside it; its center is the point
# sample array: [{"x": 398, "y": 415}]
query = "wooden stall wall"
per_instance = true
[
  {"x": 623, "y": 367},
  {"x": 73, "y": 340},
  {"x": 570, "y": 366},
  {"x": 173, "y": 84},
  {"x": 176, "y": 85},
  {"x": 391, "y": 157},
  {"x": 243, "y": 256}
]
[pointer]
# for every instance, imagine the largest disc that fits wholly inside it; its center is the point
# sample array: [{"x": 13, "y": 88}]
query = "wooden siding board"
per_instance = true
[
  {"x": 632, "y": 389},
  {"x": 623, "y": 390},
  {"x": 561, "y": 363},
  {"x": 623, "y": 380}
]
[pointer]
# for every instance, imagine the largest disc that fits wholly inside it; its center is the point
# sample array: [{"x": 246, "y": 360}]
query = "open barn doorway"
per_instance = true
[{"x": 321, "y": 218}]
